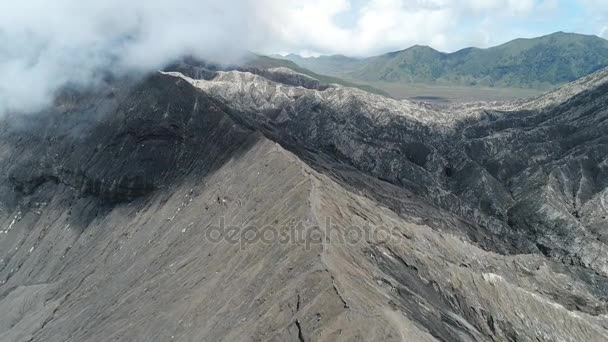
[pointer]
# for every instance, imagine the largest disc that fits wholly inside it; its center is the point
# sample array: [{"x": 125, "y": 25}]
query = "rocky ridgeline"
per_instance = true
[
  {"x": 497, "y": 213},
  {"x": 524, "y": 171}
]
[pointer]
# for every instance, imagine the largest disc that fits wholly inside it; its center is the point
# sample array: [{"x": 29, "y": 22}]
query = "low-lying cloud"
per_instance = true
[{"x": 47, "y": 44}]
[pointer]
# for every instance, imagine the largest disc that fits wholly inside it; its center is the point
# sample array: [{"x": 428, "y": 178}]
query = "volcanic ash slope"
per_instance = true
[{"x": 110, "y": 205}]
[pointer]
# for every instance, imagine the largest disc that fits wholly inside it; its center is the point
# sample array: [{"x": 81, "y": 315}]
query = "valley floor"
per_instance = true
[{"x": 450, "y": 94}]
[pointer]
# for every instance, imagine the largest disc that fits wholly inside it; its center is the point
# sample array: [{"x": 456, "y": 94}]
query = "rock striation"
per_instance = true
[{"x": 473, "y": 222}]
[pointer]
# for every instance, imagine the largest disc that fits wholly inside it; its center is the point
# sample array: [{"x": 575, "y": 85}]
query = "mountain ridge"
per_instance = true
[
  {"x": 541, "y": 62},
  {"x": 113, "y": 199},
  {"x": 266, "y": 62}
]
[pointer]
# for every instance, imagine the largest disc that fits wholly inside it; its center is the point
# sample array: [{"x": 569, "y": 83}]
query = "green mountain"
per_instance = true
[
  {"x": 328, "y": 65},
  {"x": 541, "y": 62},
  {"x": 265, "y": 62}
]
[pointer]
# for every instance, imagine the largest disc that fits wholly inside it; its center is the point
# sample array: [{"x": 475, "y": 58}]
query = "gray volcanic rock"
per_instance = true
[
  {"x": 262, "y": 205},
  {"x": 484, "y": 162}
]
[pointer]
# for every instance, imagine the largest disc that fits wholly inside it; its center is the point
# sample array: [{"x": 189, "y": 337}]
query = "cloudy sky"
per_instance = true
[
  {"x": 368, "y": 27},
  {"x": 47, "y": 44}
]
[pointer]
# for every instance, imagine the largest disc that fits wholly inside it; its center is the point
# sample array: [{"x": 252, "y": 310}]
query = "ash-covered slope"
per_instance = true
[
  {"x": 482, "y": 162},
  {"x": 360, "y": 217}
]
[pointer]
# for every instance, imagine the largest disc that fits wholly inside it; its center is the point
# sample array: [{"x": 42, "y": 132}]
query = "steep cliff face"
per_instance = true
[
  {"x": 149, "y": 138},
  {"x": 523, "y": 171},
  {"x": 264, "y": 205}
]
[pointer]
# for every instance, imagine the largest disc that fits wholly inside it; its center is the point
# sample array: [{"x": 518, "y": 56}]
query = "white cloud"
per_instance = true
[
  {"x": 46, "y": 44},
  {"x": 597, "y": 15},
  {"x": 384, "y": 25}
]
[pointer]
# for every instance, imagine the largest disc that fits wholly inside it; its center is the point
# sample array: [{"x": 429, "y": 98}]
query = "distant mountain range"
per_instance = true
[
  {"x": 266, "y": 62},
  {"x": 329, "y": 65},
  {"x": 541, "y": 62}
]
